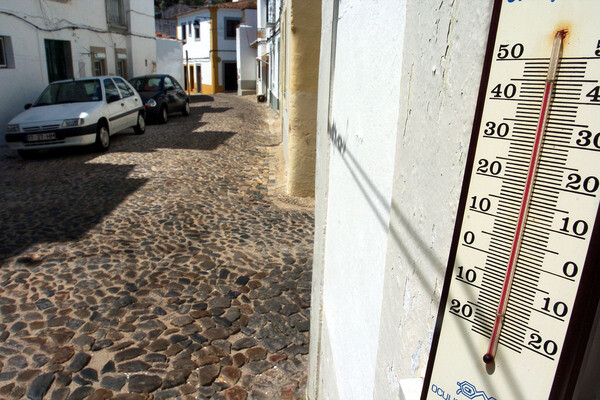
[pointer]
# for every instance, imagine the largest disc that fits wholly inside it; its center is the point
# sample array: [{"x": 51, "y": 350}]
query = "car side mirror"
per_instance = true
[
  {"x": 169, "y": 87},
  {"x": 113, "y": 97},
  {"x": 27, "y": 106}
]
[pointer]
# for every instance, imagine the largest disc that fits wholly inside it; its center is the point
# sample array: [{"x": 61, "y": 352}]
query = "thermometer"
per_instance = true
[{"x": 521, "y": 288}]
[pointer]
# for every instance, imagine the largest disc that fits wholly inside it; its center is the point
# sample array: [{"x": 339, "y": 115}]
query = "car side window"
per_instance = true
[
  {"x": 110, "y": 89},
  {"x": 168, "y": 82},
  {"x": 177, "y": 85},
  {"x": 123, "y": 88}
]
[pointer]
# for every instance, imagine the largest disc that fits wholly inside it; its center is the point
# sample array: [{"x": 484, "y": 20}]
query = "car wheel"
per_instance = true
[
  {"x": 140, "y": 128},
  {"x": 186, "y": 109},
  {"x": 102, "y": 137},
  {"x": 27, "y": 154},
  {"x": 163, "y": 117}
]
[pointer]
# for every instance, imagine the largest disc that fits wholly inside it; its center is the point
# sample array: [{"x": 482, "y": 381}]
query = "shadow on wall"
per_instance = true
[{"x": 377, "y": 202}]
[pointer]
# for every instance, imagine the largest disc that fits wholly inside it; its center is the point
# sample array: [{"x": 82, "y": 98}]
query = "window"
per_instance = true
[
  {"x": 270, "y": 12},
  {"x": 121, "y": 62},
  {"x": 70, "y": 91},
  {"x": 122, "y": 68},
  {"x": 123, "y": 87},
  {"x": 197, "y": 29},
  {"x": 178, "y": 86},
  {"x": 168, "y": 83},
  {"x": 58, "y": 59},
  {"x": 98, "y": 61},
  {"x": 190, "y": 29},
  {"x": 115, "y": 14},
  {"x": 110, "y": 89},
  {"x": 7, "y": 59},
  {"x": 230, "y": 25},
  {"x": 145, "y": 84},
  {"x": 3, "y": 63},
  {"x": 183, "y": 32}
]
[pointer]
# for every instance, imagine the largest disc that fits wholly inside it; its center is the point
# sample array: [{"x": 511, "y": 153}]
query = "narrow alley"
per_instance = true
[{"x": 169, "y": 267}]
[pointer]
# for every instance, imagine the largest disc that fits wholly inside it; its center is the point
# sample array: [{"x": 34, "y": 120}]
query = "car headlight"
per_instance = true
[
  {"x": 151, "y": 103},
  {"x": 14, "y": 128},
  {"x": 72, "y": 122}
]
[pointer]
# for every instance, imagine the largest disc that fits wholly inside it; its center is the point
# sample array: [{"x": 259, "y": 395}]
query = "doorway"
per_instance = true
[
  {"x": 58, "y": 60},
  {"x": 199, "y": 78},
  {"x": 192, "y": 81},
  {"x": 230, "y": 76}
]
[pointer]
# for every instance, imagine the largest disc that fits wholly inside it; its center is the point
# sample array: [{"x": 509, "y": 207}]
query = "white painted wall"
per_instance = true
[
  {"x": 246, "y": 57},
  {"x": 169, "y": 58},
  {"x": 29, "y": 77},
  {"x": 389, "y": 173},
  {"x": 198, "y": 49},
  {"x": 226, "y": 45},
  {"x": 364, "y": 118}
]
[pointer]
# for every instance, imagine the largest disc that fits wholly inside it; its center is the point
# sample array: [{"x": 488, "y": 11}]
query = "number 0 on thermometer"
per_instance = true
[{"x": 521, "y": 288}]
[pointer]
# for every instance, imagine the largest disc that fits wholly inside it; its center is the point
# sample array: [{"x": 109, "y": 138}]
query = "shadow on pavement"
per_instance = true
[
  {"x": 34, "y": 210},
  {"x": 179, "y": 138},
  {"x": 200, "y": 98}
]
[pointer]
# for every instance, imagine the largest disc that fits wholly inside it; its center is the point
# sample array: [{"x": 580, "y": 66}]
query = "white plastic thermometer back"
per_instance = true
[{"x": 519, "y": 296}]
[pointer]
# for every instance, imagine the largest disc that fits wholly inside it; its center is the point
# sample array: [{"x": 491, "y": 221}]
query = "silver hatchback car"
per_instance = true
[{"x": 76, "y": 113}]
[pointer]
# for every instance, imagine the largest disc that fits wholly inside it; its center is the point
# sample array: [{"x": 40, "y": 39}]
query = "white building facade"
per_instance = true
[
  {"x": 246, "y": 58},
  {"x": 169, "y": 58},
  {"x": 209, "y": 52},
  {"x": 268, "y": 53},
  {"x": 42, "y": 42}
]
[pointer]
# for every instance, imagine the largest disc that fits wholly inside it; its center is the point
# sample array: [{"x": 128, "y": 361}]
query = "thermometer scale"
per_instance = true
[{"x": 522, "y": 284}]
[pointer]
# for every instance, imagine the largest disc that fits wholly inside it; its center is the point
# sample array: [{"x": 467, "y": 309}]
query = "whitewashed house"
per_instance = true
[
  {"x": 246, "y": 58},
  {"x": 209, "y": 52},
  {"x": 169, "y": 58},
  {"x": 45, "y": 41},
  {"x": 268, "y": 52}
]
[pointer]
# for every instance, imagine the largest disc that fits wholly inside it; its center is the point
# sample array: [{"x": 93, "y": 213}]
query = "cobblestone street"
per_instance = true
[{"x": 170, "y": 267}]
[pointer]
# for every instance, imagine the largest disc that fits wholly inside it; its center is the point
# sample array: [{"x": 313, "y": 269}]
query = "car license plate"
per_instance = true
[{"x": 38, "y": 137}]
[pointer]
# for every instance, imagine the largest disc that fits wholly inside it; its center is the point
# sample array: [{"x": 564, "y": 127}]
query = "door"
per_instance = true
[
  {"x": 199, "y": 78},
  {"x": 58, "y": 60},
  {"x": 175, "y": 95},
  {"x": 116, "y": 107},
  {"x": 229, "y": 76},
  {"x": 132, "y": 104},
  {"x": 192, "y": 82}
]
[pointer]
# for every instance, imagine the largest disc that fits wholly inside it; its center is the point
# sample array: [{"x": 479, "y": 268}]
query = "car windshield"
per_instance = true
[
  {"x": 146, "y": 84},
  {"x": 70, "y": 92}
]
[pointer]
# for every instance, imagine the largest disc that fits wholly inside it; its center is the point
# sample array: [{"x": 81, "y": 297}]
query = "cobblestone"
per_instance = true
[{"x": 169, "y": 267}]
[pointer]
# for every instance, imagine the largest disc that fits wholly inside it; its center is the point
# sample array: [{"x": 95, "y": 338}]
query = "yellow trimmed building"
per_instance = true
[{"x": 209, "y": 50}]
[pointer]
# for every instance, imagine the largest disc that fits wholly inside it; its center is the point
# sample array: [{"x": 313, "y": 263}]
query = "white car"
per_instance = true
[{"x": 77, "y": 112}]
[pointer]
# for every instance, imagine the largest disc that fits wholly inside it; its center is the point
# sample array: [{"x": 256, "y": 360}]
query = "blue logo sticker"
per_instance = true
[{"x": 469, "y": 390}]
